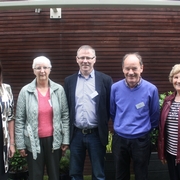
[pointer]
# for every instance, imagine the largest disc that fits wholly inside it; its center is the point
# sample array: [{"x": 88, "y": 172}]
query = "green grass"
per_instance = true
[
  {"x": 85, "y": 177},
  {"x": 89, "y": 177},
  {"x": 132, "y": 177}
]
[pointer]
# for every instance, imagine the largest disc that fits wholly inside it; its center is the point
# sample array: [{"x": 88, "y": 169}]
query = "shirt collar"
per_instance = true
[
  {"x": 136, "y": 84},
  {"x": 91, "y": 75}
]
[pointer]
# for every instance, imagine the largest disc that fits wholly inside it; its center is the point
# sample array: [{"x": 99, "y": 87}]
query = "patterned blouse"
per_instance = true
[{"x": 7, "y": 114}]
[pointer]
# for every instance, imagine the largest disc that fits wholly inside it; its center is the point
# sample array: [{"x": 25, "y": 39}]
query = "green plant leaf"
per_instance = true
[{"x": 17, "y": 163}]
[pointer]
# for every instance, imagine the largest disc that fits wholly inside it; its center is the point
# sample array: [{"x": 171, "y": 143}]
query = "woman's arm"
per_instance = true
[{"x": 12, "y": 141}]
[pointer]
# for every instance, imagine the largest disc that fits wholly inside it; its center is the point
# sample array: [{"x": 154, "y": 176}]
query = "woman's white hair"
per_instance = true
[{"x": 40, "y": 60}]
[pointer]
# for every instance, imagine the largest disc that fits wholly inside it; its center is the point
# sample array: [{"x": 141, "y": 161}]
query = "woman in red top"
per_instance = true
[{"x": 169, "y": 128}]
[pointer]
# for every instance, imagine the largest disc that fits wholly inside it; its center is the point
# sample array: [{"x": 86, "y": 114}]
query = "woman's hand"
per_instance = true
[
  {"x": 12, "y": 150},
  {"x": 64, "y": 147},
  {"x": 164, "y": 161},
  {"x": 23, "y": 152}
]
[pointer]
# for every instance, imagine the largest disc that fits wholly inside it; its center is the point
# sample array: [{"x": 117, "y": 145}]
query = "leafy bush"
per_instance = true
[
  {"x": 109, "y": 145},
  {"x": 162, "y": 97},
  {"x": 17, "y": 163},
  {"x": 64, "y": 163}
]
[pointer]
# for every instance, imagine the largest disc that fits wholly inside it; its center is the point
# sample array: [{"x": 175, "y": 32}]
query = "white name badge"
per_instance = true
[
  {"x": 50, "y": 102},
  {"x": 140, "y": 105},
  {"x": 94, "y": 94}
]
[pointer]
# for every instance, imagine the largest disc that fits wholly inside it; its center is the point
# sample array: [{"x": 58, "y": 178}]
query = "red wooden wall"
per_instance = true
[{"x": 113, "y": 32}]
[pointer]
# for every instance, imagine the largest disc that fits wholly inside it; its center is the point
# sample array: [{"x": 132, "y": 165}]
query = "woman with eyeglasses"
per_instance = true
[
  {"x": 7, "y": 145},
  {"x": 42, "y": 122}
]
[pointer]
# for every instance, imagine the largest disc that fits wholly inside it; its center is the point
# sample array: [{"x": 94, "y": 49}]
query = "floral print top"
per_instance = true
[{"x": 7, "y": 114}]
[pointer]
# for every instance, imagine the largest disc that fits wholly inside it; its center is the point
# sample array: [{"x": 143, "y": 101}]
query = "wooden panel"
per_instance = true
[{"x": 113, "y": 32}]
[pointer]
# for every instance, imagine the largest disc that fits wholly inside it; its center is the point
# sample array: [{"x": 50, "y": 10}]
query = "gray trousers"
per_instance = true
[{"x": 47, "y": 159}]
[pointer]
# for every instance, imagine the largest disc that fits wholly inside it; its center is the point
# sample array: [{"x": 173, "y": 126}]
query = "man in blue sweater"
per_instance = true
[{"x": 134, "y": 108}]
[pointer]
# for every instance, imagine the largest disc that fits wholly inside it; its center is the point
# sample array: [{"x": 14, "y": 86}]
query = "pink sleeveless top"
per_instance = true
[{"x": 45, "y": 115}]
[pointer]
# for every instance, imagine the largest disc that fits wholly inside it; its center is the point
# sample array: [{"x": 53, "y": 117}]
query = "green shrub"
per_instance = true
[
  {"x": 17, "y": 163},
  {"x": 64, "y": 163}
]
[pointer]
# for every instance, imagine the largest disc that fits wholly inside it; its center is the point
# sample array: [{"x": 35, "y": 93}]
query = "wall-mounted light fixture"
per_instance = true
[
  {"x": 55, "y": 13},
  {"x": 37, "y": 10}
]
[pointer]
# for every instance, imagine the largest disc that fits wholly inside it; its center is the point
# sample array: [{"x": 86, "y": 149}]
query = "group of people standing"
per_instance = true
[{"x": 50, "y": 119}]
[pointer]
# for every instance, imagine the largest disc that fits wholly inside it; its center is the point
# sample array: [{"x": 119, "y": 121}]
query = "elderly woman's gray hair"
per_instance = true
[
  {"x": 175, "y": 70},
  {"x": 40, "y": 60}
]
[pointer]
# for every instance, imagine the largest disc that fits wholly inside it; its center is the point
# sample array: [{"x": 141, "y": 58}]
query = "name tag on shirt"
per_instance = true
[
  {"x": 94, "y": 94},
  {"x": 50, "y": 102},
  {"x": 140, "y": 105}
]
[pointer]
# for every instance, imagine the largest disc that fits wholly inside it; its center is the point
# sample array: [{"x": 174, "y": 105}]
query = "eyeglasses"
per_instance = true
[
  {"x": 85, "y": 57},
  {"x": 39, "y": 68}
]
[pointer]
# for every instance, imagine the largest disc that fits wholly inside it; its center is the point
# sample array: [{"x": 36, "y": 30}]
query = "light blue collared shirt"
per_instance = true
[{"x": 85, "y": 104}]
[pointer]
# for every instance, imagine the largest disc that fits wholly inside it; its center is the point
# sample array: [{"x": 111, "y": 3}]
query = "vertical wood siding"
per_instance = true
[{"x": 113, "y": 32}]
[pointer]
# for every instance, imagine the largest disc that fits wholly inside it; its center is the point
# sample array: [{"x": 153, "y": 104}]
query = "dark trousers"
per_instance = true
[
  {"x": 90, "y": 142},
  {"x": 3, "y": 175},
  {"x": 174, "y": 169},
  {"x": 138, "y": 150},
  {"x": 47, "y": 158}
]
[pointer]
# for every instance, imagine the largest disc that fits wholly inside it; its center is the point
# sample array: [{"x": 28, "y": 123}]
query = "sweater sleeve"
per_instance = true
[
  {"x": 154, "y": 109},
  {"x": 112, "y": 103},
  {"x": 20, "y": 121}
]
